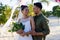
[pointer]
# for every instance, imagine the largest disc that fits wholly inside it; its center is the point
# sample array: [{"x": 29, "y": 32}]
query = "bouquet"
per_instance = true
[{"x": 16, "y": 27}]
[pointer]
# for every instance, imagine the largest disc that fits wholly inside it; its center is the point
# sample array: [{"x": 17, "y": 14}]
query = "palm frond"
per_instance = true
[{"x": 46, "y": 1}]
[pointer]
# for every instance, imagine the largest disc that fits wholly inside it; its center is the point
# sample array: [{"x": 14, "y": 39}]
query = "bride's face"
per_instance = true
[{"x": 25, "y": 11}]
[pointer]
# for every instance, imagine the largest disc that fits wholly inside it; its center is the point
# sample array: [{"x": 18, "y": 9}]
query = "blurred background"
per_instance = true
[{"x": 10, "y": 11}]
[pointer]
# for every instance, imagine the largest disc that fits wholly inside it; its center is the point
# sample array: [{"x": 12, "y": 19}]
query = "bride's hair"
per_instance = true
[{"x": 23, "y": 7}]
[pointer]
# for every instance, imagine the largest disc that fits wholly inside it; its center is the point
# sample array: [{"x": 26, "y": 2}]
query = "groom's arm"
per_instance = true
[{"x": 45, "y": 28}]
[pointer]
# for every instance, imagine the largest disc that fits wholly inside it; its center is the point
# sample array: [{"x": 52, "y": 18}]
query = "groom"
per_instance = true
[{"x": 41, "y": 23}]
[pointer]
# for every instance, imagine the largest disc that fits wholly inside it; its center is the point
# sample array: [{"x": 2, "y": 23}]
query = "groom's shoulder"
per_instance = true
[{"x": 44, "y": 18}]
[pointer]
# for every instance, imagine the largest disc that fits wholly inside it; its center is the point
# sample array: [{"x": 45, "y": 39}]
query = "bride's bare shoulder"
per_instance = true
[{"x": 31, "y": 18}]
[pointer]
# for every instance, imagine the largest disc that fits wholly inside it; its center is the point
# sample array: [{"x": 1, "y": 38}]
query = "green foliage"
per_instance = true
[
  {"x": 46, "y": 1},
  {"x": 43, "y": 11},
  {"x": 17, "y": 27},
  {"x": 32, "y": 1},
  {"x": 47, "y": 13},
  {"x": 56, "y": 11},
  {"x": 5, "y": 12},
  {"x": 2, "y": 15},
  {"x": 31, "y": 13},
  {"x": 16, "y": 13}
]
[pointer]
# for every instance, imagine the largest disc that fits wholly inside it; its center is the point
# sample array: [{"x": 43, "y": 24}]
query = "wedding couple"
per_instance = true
[{"x": 36, "y": 28}]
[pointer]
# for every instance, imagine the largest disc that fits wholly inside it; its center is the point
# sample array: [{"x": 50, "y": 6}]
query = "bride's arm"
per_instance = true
[
  {"x": 32, "y": 23},
  {"x": 32, "y": 26}
]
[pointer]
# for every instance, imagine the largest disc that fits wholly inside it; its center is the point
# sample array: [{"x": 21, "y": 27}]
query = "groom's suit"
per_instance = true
[{"x": 41, "y": 25}]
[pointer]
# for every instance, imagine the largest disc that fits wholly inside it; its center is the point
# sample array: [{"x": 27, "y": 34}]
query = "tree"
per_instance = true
[
  {"x": 32, "y": 1},
  {"x": 56, "y": 11},
  {"x": 46, "y": 13},
  {"x": 4, "y": 13},
  {"x": 16, "y": 12},
  {"x": 46, "y": 1},
  {"x": 31, "y": 13},
  {"x": 7, "y": 11}
]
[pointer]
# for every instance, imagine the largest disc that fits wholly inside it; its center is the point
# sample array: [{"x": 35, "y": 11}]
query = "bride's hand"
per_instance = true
[
  {"x": 23, "y": 34},
  {"x": 33, "y": 33},
  {"x": 20, "y": 31},
  {"x": 27, "y": 33}
]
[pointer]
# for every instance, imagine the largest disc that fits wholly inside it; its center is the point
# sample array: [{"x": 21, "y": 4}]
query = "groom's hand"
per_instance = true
[{"x": 33, "y": 33}]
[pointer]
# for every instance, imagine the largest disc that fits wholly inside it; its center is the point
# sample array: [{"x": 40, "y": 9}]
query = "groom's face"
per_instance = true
[{"x": 36, "y": 9}]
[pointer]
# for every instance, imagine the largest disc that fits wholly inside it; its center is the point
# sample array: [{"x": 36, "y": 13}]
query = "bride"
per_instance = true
[{"x": 29, "y": 25}]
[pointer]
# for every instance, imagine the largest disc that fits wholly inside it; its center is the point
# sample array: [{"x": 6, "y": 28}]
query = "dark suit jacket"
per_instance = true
[{"x": 41, "y": 25}]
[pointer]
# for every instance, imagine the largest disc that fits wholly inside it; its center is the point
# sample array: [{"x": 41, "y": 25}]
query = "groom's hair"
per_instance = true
[
  {"x": 23, "y": 7},
  {"x": 38, "y": 4}
]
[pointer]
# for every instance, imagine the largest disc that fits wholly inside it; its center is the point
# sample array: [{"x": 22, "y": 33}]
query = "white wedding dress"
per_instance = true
[{"x": 27, "y": 24}]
